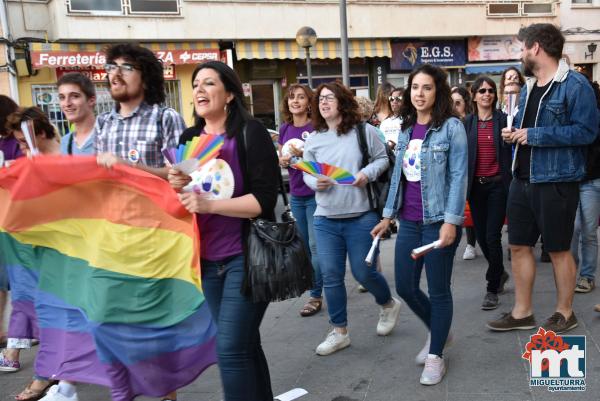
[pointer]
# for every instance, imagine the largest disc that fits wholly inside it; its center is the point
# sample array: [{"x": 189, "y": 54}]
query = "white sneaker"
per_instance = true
[
  {"x": 422, "y": 355},
  {"x": 434, "y": 370},
  {"x": 470, "y": 253},
  {"x": 334, "y": 342},
  {"x": 388, "y": 317},
  {"x": 54, "y": 395}
]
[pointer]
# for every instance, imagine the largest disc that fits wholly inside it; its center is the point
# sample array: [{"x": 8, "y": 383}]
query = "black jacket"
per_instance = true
[{"x": 503, "y": 150}]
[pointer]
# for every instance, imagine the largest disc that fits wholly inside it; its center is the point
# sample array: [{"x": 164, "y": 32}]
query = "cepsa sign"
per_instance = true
[{"x": 56, "y": 59}]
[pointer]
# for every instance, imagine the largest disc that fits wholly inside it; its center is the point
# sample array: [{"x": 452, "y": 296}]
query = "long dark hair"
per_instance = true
[
  {"x": 442, "y": 107},
  {"x": 503, "y": 78},
  {"x": 149, "y": 65},
  {"x": 41, "y": 123},
  {"x": 466, "y": 96},
  {"x": 347, "y": 106},
  {"x": 7, "y": 107},
  {"x": 477, "y": 85},
  {"x": 237, "y": 112}
]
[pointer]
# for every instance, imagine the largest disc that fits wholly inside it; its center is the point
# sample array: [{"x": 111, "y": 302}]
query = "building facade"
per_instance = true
[
  {"x": 580, "y": 22},
  {"x": 387, "y": 39}
]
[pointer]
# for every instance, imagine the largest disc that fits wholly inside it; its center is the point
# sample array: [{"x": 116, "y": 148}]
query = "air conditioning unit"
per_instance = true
[{"x": 503, "y": 9}]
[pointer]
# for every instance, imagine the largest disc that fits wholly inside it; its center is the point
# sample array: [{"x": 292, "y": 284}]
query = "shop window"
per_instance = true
[{"x": 46, "y": 98}]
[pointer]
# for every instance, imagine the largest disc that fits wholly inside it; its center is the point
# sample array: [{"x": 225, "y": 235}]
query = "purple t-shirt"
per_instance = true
[
  {"x": 287, "y": 132},
  {"x": 221, "y": 236},
  {"x": 10, "y": 148},
  {"x": 412, "y": 205}
]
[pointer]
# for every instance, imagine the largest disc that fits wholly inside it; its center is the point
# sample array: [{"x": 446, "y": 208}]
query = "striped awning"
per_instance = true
[
  {"x": 55, "y": 55},
  {"x": 324, "y": 49},
  {"x": 95, "y": 47}
]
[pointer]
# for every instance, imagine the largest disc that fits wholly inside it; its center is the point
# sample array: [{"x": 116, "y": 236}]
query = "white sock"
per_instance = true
[{"x": 67, "y": 389}]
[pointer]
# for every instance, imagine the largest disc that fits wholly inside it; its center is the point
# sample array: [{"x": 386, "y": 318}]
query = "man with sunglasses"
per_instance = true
[
  {"x": 557, "y": 118},
  {"x": 138, "y": 128}
]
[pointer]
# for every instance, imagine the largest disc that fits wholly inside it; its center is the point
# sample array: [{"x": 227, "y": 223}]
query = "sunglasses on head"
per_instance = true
[
  {"x": 488, "y": 90},
  {"x": 396, "y": 98}
]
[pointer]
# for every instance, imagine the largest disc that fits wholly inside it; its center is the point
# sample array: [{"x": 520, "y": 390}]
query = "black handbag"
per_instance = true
[{"x": 279, "y": 267}]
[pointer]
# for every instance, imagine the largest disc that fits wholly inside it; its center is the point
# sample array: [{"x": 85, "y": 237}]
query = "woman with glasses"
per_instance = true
[
  {"x": 489, "y": 178},
  {"x": 461, "y": 104},
  {"x": 427, "y": 193},
  {"x": 381, "y": 110},
  {"x": 343, "y": 217},
  {"x": 391, "y": 125},
  {"x": 296, "y": 111}
]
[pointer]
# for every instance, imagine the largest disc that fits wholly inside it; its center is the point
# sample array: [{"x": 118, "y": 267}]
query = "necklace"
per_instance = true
[{"x": 484, "y": 123}]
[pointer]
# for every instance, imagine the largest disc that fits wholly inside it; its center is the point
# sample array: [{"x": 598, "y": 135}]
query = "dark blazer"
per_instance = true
[{"x": 503, "y": 150}]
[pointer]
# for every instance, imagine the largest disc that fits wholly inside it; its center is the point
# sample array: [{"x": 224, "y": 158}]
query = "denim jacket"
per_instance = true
[
  {"x": 443, "y": 173},
  {"x": 567, "y": 120}
]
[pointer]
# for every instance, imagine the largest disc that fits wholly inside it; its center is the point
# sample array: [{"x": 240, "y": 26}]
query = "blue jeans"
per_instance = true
[
  {"x": 303, "y": 209},
  {"x": 338, "y": 238},
  {"x": 436, "y": 310},
  {"x": 586, "y": 228},
  {"x": 242, "y": 362}
]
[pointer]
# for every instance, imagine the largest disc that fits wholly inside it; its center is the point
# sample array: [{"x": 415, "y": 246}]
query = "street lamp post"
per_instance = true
[{"x": 306, "y": 37}]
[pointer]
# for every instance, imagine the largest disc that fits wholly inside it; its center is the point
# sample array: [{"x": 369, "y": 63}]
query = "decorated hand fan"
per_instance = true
[
  {"x": 295, "y": 142},
  {"x": 214, "y": 178},
  {"x": 337, "y": 174},
  {"x": 195, "y": 153}
]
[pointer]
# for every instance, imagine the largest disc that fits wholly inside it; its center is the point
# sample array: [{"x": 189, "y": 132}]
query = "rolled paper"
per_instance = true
[
  {"x": 29, "y": 133},
  {"x": 511, "y": 104},
  {"x": 371, "y": 254},
  {"x": 422, "y": 250}
]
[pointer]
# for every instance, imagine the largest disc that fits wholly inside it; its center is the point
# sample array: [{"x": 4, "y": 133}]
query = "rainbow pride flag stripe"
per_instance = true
[
  {"x": 338, "y": 174},
  {"x": 113, "y": 258}
]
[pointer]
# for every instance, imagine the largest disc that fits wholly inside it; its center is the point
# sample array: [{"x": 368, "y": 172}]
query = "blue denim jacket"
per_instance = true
[
  {"x": 567, "y": 120},
  {"x": 443, "y": 173}
]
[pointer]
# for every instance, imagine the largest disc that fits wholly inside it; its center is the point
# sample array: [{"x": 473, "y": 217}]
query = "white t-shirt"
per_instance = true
[{"x": 391, "y": 128}]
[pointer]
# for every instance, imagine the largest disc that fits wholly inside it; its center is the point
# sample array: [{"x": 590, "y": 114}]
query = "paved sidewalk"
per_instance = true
[{"x": 482, "y": 366}]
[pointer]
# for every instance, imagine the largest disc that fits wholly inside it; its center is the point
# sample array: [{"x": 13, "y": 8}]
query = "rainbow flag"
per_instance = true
[{"x": 110, "y": 261}]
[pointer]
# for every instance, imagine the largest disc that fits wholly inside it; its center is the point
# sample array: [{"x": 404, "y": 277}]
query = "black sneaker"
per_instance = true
[
  {"x": 490, "y": 301},
  {"x": 507, "y": 322},
  {"x": 559, "y": 324},
  {"x": 503, "y": 280}
]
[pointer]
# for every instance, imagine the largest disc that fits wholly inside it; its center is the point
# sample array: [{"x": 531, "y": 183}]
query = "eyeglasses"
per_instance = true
[
  {"x": 326, "y": 98},
  {"x": 481, "y": 91},
  {"x": 395, "y": 98},
  {"x": 124, "y": 68}
]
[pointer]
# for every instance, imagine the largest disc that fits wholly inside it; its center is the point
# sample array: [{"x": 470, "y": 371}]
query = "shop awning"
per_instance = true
[
  {"x": 324, "y": 49},
  {"x": 490, "y": 68},
  {"x": 90, "y": 54}
]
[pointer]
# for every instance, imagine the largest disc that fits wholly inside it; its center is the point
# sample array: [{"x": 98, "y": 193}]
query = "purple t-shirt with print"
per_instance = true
[
  {"x": 412, "y": 205},
  {"x": 10, "y": 148},
  {"x": 287, "y": 132},
  {"x": 221, "y": 236}
]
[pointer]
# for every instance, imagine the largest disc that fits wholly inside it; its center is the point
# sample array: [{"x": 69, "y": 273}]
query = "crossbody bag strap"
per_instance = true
[{"x": 364, "y": 150}]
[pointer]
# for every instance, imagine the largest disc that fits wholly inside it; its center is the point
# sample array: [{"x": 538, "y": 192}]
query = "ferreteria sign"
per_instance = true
[{"x": 54, "y": 59}]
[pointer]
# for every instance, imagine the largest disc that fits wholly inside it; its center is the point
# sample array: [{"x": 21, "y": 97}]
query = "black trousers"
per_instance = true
[{"x": 488, "y": 209}]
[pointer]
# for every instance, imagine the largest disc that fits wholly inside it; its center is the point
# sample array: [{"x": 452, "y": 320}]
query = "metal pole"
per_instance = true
[
  {"x": 344, "y": 40},
  {"x": 308, "y": 69}
]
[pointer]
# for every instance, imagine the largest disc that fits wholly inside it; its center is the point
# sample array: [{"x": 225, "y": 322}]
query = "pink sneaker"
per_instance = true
[{"x": 7, "y": 365}]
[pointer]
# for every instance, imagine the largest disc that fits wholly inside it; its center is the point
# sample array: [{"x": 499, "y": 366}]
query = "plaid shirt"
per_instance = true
[{"x": 149, "y": 130}]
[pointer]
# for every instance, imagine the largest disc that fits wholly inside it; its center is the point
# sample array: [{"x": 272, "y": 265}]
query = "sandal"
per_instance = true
[
  {"x": 30, "y": 394},
  {"x": 311, "y": 307}
]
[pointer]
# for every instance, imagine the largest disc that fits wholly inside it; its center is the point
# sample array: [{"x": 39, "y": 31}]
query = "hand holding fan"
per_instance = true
[
  {"x": 215, "y": 178},
  {"x": 337, "y": 174},
  {"x": 195, "y": 153},
  {"x": 286, "y": 149}
]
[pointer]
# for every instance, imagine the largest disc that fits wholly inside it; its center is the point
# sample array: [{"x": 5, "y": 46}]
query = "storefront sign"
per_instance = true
[
  {"x": 96, "y": 74},
  {"x": 408, "y": 55},
  {"x": 85, "y": 58},
  {"x": 494, "y": 48}
]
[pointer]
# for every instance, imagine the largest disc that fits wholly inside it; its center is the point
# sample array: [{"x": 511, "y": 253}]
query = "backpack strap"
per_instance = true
[{"x": 364, "y": 150}]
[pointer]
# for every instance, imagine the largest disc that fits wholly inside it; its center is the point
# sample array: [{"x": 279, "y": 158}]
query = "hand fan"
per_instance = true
[
  {"x": 338, "y": 174},
  {"x": 295, "y": 142},
  {"x": 195, "y": 153},
  {"x": 214, "y": 178}
]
